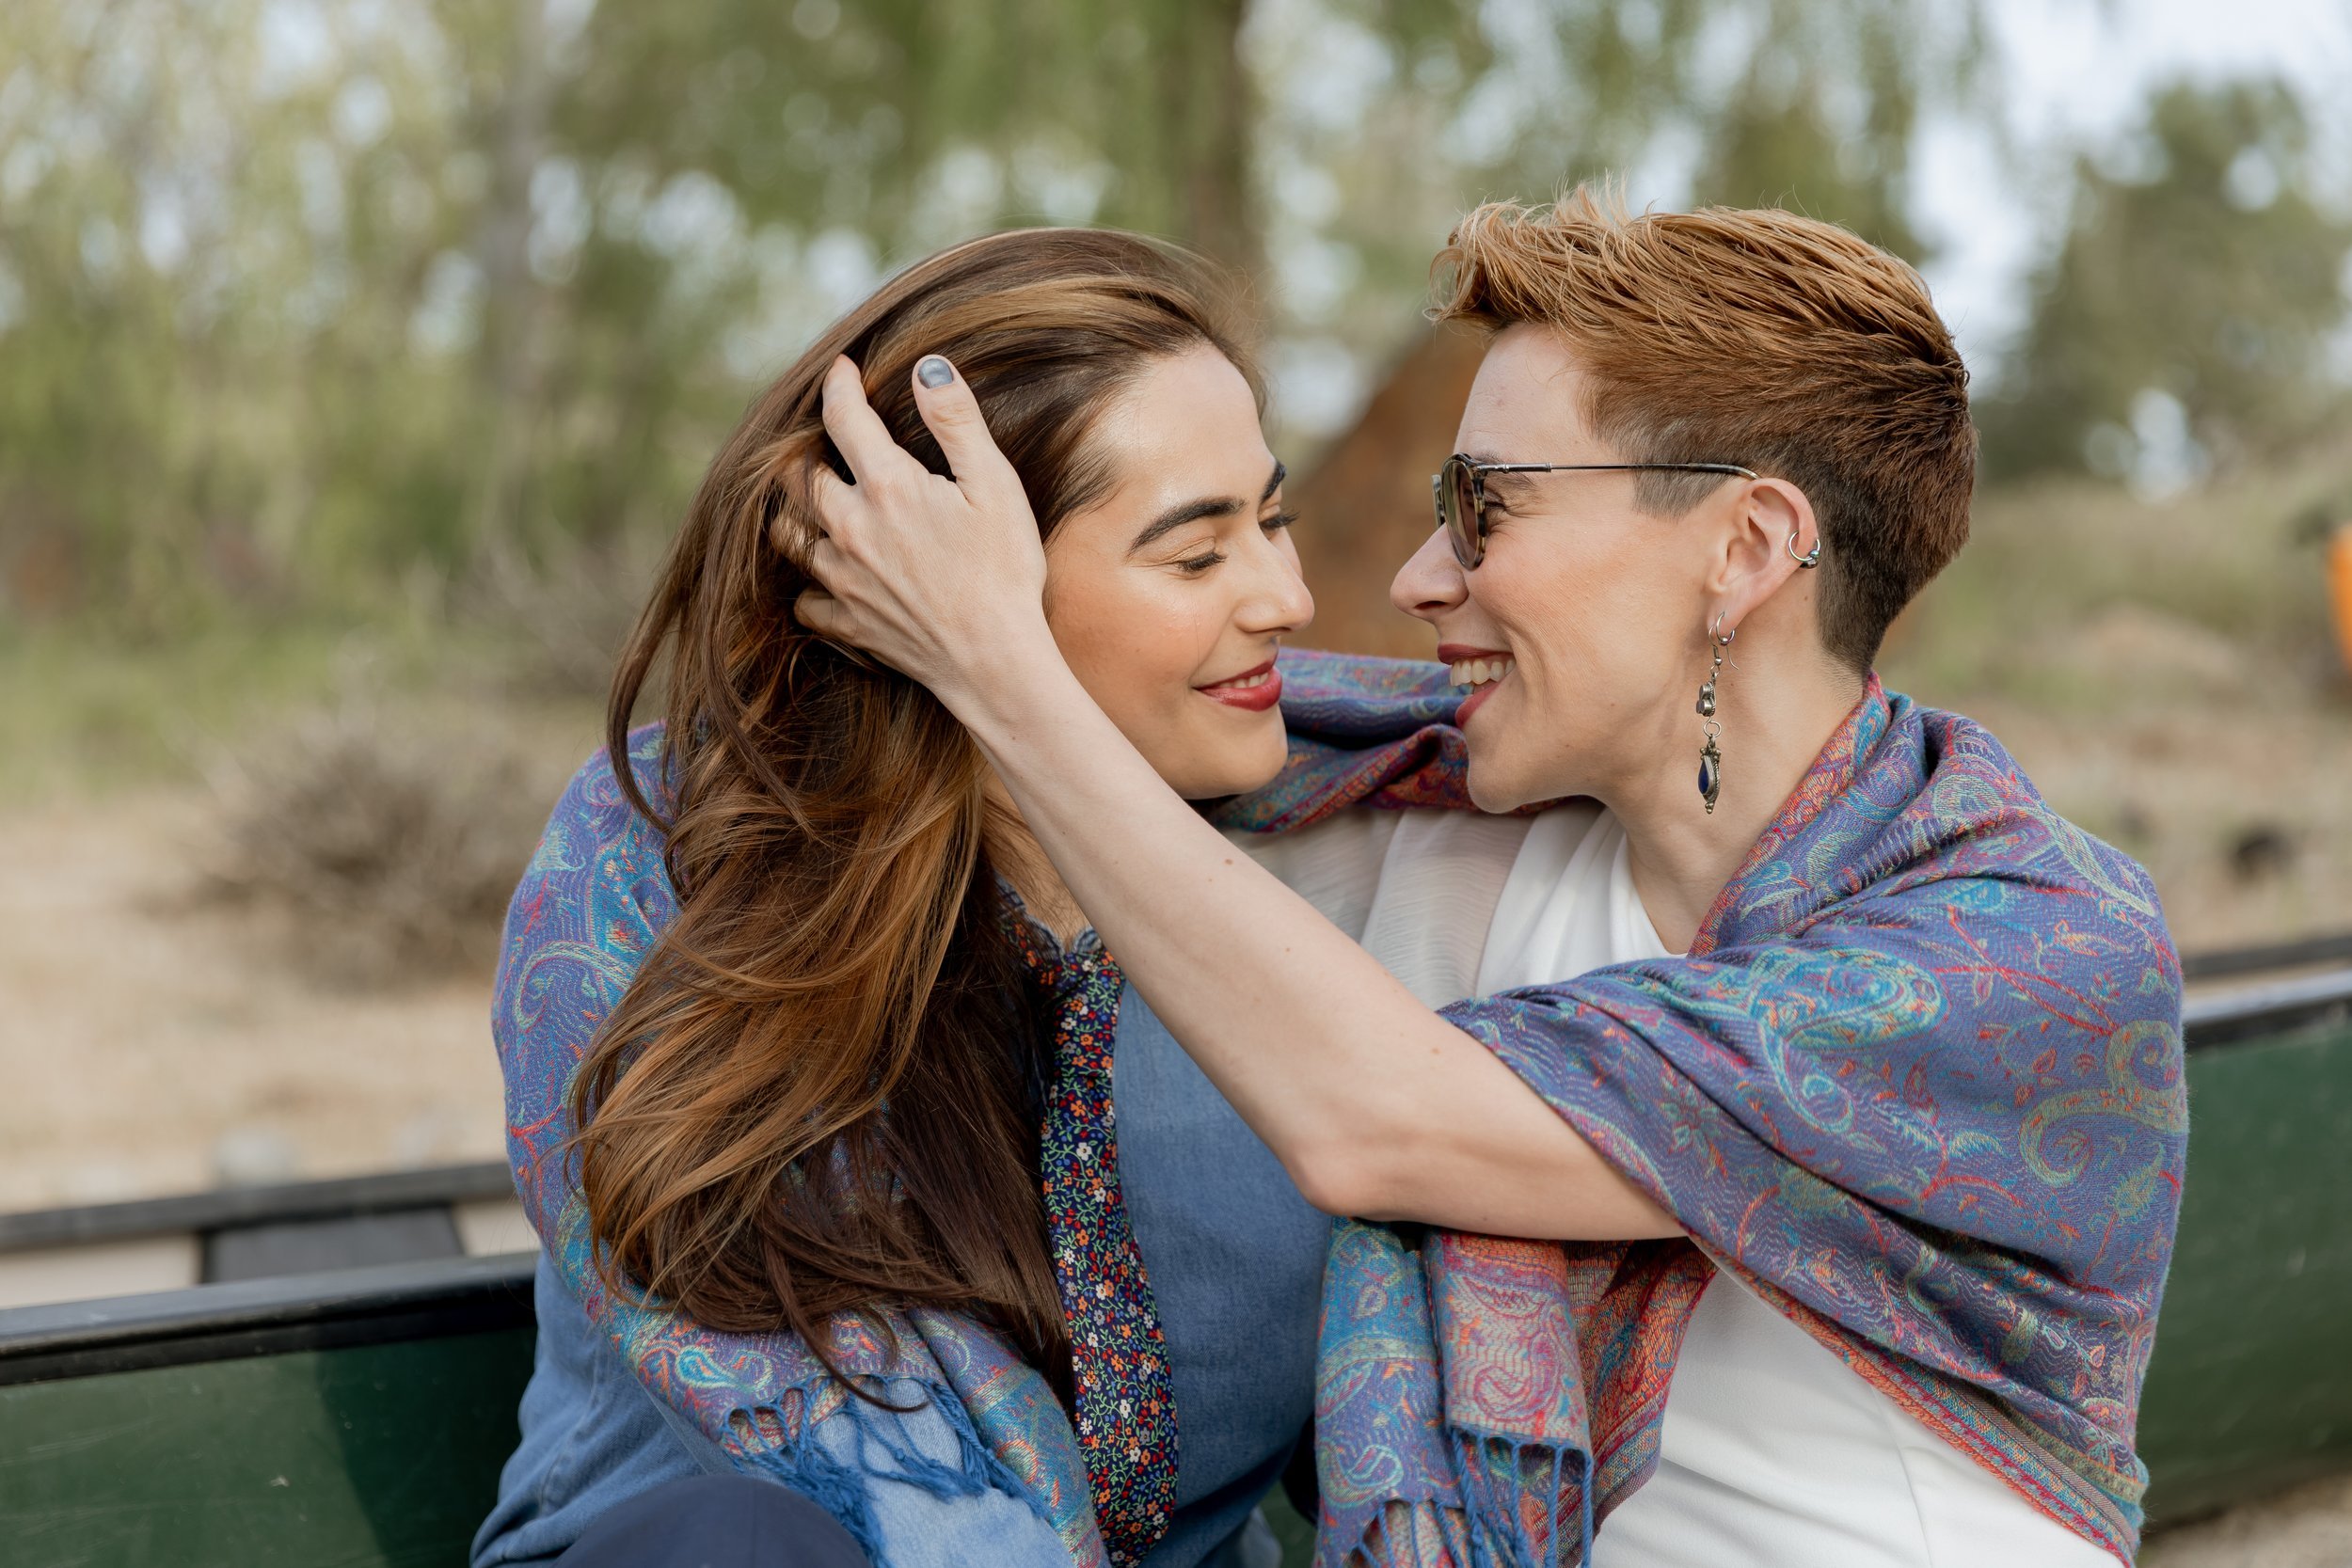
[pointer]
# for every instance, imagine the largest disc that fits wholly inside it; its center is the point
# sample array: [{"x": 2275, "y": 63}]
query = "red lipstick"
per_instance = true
[
  {"x": 1250, "y": 699},
  {"x": 1472, "y": 703}
]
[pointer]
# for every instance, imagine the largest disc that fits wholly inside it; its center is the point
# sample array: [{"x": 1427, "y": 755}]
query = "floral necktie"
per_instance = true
[{"x": 1125, "y": 1414}]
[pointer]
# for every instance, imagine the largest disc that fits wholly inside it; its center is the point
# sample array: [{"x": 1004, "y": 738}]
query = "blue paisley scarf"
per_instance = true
[
  {"x": 590, "y": 909},
  {"x": 1919, "y": 1085}
]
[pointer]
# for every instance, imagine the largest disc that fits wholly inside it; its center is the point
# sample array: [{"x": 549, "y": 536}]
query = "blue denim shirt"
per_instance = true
[{"x": 1234, "y": 1257}]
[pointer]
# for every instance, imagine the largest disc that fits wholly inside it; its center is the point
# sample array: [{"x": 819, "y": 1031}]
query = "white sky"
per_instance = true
[{"x": 2075, "y": 72}]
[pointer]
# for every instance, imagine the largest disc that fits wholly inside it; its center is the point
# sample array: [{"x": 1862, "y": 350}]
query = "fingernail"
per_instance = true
[{"x": 931, "y": 371}]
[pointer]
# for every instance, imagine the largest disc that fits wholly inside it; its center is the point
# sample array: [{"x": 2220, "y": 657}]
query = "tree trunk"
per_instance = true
[
  {"x": 510, "y": 295},
  {"x": 1212, "y": 123}
]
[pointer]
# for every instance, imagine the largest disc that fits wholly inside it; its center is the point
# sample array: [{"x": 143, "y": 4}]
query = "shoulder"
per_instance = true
[
  {"x": 1980, "y": 841},
  {"x": 598, "y": 876},
  {"x": 1980, "y": 801},
  {"x": 595, "y": 796}
]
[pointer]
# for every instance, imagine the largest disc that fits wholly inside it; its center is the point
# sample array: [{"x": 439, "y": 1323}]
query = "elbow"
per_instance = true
[
  {"x": 1350, "y": 1178},
  {"x": 1355, "y": 1155}
]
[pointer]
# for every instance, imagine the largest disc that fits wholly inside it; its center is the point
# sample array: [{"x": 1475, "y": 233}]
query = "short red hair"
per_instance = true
[{"x": 1756, "y": 337}]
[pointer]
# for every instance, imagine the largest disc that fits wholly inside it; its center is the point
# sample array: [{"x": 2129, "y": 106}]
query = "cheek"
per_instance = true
[
  {"x": 1581, "y": 617},
  {"x": 1136, "y": 647}
]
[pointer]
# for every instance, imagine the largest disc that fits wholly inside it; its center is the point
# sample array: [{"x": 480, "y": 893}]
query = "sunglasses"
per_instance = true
[{"x": 1460, "y": 487}]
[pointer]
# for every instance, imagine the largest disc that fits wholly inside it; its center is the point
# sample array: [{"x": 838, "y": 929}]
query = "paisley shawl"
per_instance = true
[
  {"x": 1919, "y": 1085},
  {"x": 590, "y": 908}
]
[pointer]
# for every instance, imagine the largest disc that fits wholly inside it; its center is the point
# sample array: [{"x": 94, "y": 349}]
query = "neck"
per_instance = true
[
  {"x": 1023, "y": 862},
  {"x": 1774, "y": 725}
]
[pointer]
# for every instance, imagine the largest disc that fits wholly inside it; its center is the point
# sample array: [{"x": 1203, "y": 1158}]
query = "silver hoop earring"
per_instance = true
[
  {"x": 1711, "y": 757},
  {"x": 1811, "y": 557}
]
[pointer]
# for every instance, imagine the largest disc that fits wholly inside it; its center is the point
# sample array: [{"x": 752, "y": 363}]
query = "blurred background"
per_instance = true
[{"x": 357, "y": 358}]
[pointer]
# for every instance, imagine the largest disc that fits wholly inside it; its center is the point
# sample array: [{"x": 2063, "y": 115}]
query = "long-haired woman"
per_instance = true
[{"x": 807, "y": 1057}]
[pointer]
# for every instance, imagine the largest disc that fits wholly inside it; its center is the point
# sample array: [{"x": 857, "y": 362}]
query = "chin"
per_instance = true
[
  {"x": 1494, "y": 786},
  {"x": 1212, "y": 771}
]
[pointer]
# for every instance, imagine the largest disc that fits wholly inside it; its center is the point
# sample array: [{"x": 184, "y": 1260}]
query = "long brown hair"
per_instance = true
[{"x": 820, "y": 1091}]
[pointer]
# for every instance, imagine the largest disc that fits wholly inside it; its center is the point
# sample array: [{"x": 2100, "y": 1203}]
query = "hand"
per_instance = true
[{"x": 942, "y": 578}]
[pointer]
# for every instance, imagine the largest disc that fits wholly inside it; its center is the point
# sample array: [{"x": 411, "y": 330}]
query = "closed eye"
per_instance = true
[{"x": 1279, "y": 520}]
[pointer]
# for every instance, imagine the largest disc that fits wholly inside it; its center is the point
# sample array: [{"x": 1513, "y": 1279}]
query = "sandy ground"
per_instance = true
[
  {"x": 153, "y": 1042},
  {"x": 2307, "y": 1528}
]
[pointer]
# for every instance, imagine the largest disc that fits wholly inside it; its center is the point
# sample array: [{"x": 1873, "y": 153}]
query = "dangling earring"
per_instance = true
[{"x": 1711, "y": 758}]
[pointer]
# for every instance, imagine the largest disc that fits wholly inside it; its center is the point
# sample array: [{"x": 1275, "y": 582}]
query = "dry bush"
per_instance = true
[
  {"x": 567, "y": 615},
  {"x": 379, "y": 853}
]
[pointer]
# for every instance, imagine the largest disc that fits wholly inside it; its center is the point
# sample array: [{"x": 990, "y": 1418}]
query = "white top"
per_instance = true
[{"x": 1774, "y": 1453}]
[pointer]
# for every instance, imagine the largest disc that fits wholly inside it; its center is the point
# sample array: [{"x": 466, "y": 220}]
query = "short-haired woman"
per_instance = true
[{"x": 1836, "y": 1078}]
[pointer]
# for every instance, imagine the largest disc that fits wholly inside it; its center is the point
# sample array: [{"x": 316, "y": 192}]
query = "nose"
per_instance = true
[
  {"x": 1432, "y": 583},
  {"x": 1277, "y": 602}
]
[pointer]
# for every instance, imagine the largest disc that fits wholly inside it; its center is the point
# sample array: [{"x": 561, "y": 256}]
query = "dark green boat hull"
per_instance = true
[
  {"x": 374, "y": 1454},
  {"x": 2250, "y": 1389},
  {"x": 361, "y": 1422}
]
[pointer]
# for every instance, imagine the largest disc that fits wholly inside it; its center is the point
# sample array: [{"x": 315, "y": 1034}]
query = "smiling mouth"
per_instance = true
[
  {"x": 1253, "y": 690},
  {"x": 1480, "y": 670}
]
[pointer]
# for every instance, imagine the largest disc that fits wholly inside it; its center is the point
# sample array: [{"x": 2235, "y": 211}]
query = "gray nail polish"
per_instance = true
[{"x": 931, "y": 371}]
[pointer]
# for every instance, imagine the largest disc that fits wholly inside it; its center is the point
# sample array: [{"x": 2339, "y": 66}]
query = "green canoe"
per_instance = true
[{"x": 356, "y": 1414}]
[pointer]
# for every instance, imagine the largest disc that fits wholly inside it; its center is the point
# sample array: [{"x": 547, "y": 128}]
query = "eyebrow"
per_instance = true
[{"x": 1192, "y": 512}]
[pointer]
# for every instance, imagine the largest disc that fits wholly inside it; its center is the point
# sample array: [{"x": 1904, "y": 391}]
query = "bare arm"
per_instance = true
[{"x": 1376, "y": 1105}]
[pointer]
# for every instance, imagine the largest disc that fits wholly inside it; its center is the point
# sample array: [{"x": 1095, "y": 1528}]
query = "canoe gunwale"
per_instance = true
[
  {"x": 267, "y": 1316},
  {"x": 229, "y": 1207},
  {"x": 2267, "y": 1012},
  {"x": 2299, "y": 953}
]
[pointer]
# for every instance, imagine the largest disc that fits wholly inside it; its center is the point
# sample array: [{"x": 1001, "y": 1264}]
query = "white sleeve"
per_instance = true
[
  {"x": 1335, "y": 866},
  {"x": 1415, "y": 888}
]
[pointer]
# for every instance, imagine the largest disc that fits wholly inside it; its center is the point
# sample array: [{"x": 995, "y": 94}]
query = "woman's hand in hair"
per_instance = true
[{"x": 942, "y": 579}]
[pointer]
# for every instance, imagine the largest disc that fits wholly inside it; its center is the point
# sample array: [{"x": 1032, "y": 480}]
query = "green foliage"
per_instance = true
[
  {"x": 1824, "y": 115},
  {"x": 2211, "y": 275},
  {"x": 210, "y": 259},
  {"x": 301, "y": 298}
]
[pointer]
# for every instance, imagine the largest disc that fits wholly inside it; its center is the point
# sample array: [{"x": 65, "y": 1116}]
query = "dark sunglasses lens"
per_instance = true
[{"x": 1457, "y": 491}]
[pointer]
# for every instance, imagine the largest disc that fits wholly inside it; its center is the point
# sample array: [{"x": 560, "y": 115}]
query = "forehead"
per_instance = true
[
  {"x": 1527, "y": 402},
  {"x": 1186, "y": 426}
]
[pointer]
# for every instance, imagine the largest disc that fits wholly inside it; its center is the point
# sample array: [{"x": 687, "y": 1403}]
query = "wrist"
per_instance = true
[{"x": 1002, "y": 694}]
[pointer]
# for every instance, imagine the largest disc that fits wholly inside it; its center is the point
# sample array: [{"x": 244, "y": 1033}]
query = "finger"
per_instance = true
[
  {"x": 798, "y": 521},
  {"x": 827, "y": 564},
  {"x": 953, "y": 416},
  {"x": 855, "y": 428},
  {"x": 821, "y": 613},
  {"x": 837, "y": 506}
]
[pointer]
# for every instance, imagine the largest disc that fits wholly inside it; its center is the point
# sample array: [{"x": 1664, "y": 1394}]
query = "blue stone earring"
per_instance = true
[{"x": 1711, "y": 758}]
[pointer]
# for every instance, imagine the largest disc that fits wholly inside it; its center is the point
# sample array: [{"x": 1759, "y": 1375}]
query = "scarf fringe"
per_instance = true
[
  {"x": 1486, "y": 1526},
  {"x": 1501, "y": 1480},
  {"x": 882, "y": 1453}
]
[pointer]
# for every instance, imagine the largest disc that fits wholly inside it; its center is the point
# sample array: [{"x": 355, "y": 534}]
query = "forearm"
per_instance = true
[{"x": 1377, "y": 1106}]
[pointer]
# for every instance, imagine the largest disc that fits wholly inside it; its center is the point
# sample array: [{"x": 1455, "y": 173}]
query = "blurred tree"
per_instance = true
[
  {"x": 1822, "y": 117},
  {"x": 217, "y": 223},
  {"x": 2192, "y": 295},
  {"x": 298, "y": 295}
]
